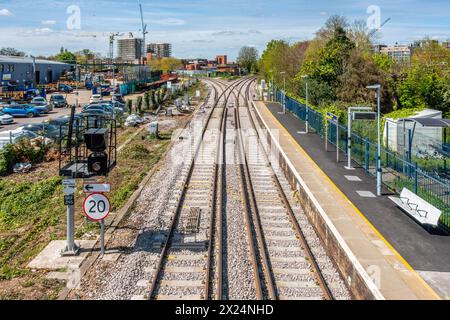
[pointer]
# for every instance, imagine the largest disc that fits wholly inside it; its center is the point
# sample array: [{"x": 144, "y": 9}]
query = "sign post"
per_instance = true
[
  {"x": 71, "y": 248},
  {"x": 96, "y": 207},
  {"x": 333, "y": 119}
]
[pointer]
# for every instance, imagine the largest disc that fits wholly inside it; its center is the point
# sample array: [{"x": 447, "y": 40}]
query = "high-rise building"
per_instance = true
[
  {"x": 129, "y": 49},
  {"x": 160, "y": 50}
]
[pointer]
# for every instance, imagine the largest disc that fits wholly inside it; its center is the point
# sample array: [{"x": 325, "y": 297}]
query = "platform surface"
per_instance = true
[{"x": 413, "y": 264}]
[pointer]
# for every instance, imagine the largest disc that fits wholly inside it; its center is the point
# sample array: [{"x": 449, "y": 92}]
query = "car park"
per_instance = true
[
  {"x": 6, "y": 119},
  {"x": 21, "y": 110}
]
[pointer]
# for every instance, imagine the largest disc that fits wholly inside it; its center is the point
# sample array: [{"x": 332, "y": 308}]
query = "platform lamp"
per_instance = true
[
  {"x": 377, "y": 87},
  {"x": 307, "y": 102},
  {"x": 284, "y": 92}
]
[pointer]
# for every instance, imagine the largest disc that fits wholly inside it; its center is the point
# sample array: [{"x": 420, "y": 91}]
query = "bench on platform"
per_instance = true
[{"x": 417, "y": 208}]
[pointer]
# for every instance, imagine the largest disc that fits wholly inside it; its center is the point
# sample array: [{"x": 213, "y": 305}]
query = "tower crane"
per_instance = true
[
  {"x": 144, "y": 29},
  {"x": 378, "y": 29}
]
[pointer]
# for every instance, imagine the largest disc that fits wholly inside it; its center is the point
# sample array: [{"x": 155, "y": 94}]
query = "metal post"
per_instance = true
[
  {"x": 415, "y": 178},
  {"x": 379, "y": 168},
  {"x": 102, "y": 237},
  {"x": 71, "y": 247},
  {"x": 367, "y": 158},
  {"x": 337, "y": 140},
  {"x": 306, "y": 109},
  {"x": 326, "y": 134},
  {"x": 349, "y": 142}
]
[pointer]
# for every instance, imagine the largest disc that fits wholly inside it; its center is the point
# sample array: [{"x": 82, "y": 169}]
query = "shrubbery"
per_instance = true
[{"x": 23, "y": 151}]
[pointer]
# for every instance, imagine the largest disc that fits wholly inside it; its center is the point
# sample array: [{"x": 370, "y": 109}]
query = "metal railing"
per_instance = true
[{"x": 397, "y": 173}]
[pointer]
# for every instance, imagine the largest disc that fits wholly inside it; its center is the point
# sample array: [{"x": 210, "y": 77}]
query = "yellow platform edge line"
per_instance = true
[{"x": 408, "y": 266}]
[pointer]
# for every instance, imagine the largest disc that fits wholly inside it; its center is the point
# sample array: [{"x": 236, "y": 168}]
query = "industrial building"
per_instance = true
[
  {"x": 160, "y": 50},
  {"x": 26, "y": 71},
  {"x": 130, "y": 49}
]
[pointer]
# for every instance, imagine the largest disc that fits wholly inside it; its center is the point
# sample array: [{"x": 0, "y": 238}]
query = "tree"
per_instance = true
[
  {"x": 330, "y": 63},
  {"x": 11, "y": 52},
  {"x": 248, "y": 58},
  {"x": 67, "y": 57},
  {"x": 165, "y": 65},
  {"x": 146, "y": 101},
  {"x": 360, "y": 72}
]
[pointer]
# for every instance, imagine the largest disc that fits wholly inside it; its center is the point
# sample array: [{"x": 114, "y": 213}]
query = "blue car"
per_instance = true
[{"x": 21, "y": 110}]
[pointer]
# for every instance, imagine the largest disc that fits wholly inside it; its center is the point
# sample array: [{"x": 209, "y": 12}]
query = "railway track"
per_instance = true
[
  {"x": 284, "y": 265},
  {"x": 183, "y": 270}
]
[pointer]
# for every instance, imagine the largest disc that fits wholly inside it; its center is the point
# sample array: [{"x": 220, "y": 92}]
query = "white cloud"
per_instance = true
[
  {"x": 5, "y": 12},
  {"x": 169, "y": 22},
  {"x": 48, "y": 22}
]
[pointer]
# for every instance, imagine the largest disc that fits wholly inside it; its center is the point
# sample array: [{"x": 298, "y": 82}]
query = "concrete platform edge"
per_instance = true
[{"x": 355, "y": 276}]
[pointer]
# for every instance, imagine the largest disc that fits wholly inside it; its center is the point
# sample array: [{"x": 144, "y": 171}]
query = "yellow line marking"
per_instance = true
[{"x": 355, "y": 208}]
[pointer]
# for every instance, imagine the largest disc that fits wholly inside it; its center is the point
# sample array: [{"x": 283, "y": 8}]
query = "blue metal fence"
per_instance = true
[{"x": 398, "y": 173}]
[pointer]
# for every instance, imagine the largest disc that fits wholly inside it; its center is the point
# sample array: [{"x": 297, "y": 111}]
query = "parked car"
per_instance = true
[
  {"x": 65, "y": 88},
  {"x": 103, "y": 107},
  {"x": 58, "y": 101},
  {"x": 133, "y": 120},
  {"x": 118, "y": 98},
  {"x": 105, "y": 90},
  {"x": 62, "y": 123},
  {"x": 43, "y": 129},
  {"x": 14, "y": 136},
  {"x": 6, "y": 119},
  {"x": 41, "y": 109},
  {"x": 95, "y": 98},
  {"x": 21, "y": 110},
  {"x": 40, "y": 102}
]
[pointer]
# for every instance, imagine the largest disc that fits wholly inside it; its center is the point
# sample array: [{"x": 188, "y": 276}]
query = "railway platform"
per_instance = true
[{"x": 381, "y": 243}]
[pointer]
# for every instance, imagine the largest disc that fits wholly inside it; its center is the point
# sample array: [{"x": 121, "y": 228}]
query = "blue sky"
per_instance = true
[{"x": 200, "y": 28}]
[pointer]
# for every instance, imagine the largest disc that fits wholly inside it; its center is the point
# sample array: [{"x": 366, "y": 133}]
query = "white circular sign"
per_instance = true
[{"x": 96, "y": 206}]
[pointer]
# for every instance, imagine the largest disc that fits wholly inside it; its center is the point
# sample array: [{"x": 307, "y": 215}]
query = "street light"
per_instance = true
[
  {"x": 306, "y": 108},
  {"x": 284, "y": 92},
  {"x": 377, "y": 87}
]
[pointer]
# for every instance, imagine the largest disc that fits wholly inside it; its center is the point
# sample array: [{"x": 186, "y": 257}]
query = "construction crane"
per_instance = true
[
  {"x": 144, "y": 29},
  {"x": 378, "y": 29},
  {"x": 112, "y": 37}
]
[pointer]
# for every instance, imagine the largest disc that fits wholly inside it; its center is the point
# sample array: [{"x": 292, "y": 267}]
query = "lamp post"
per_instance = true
[
  {"x": 284, "y": 92},
  {"x": 306, "y": 96},
  {"x": 377, "y": 87}
]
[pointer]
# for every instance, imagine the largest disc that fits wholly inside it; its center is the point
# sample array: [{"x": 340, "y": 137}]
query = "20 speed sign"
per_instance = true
[{"x": 96, "y": 206}]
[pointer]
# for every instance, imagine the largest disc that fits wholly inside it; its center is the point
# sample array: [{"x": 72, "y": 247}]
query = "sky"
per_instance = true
[{"x": 206, "y": 28}]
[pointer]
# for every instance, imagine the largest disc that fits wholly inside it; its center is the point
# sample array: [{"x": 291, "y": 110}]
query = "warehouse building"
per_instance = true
[{"x": 27, "y": 71}]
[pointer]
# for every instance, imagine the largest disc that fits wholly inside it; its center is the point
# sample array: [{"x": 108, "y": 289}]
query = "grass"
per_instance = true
[{"x": 33, "y": 214}]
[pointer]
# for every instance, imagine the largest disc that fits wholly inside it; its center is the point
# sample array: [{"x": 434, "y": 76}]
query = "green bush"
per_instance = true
[
  {"x": 139, "y": 104},
  {"x": 8, "y": 157}
]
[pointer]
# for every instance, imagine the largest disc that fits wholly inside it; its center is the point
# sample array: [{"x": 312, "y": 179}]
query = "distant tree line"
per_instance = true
[{"x": 340, "y": 62}]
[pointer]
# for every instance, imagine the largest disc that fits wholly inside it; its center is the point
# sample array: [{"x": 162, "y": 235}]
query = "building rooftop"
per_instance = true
[{"x": 11, "y": 59}]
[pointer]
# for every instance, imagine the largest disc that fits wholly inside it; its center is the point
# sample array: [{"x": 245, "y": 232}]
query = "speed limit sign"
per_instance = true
[{"x": 96, "y": 206}]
